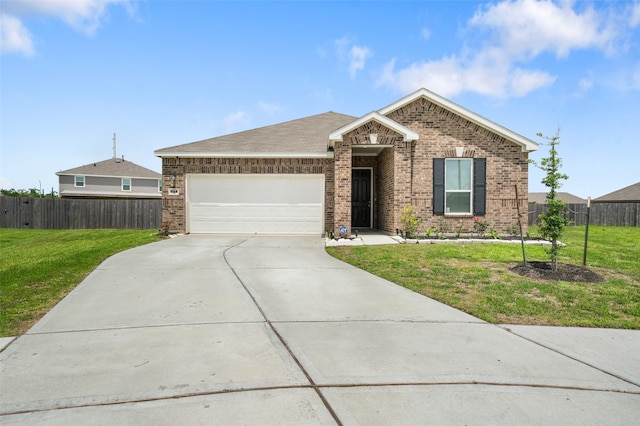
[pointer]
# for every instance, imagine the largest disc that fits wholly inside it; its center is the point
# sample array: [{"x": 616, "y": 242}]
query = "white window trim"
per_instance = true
[
  {"x": 75, "y": 181},
  {"x": 130, "y": 184},
  {"x": 469, "y": 191}
]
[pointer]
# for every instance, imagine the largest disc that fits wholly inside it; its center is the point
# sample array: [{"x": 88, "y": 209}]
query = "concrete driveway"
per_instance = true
[{"x": 271, "y": 330}]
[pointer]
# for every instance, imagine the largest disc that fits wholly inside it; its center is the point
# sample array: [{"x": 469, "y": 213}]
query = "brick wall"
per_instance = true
[
  {"x": 174, "y": 206},
  {"x": 440, "y": 132},
  {"x": 342, "y": 198}
]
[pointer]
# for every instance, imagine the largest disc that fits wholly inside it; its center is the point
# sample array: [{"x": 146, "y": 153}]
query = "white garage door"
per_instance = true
[{"x": 255, "y": 203}]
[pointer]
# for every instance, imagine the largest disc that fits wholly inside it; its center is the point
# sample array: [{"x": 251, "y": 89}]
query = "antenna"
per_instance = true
[{"x": 114, "y": 146}]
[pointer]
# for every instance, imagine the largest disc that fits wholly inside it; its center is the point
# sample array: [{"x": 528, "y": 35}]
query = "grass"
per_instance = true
[
  {"x": 39, "y": 267},
  {"x": 476, "y": 278}
]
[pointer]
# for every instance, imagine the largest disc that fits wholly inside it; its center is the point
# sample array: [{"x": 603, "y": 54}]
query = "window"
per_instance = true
[
  {"x": 458, "y": 185},
  {"x": 126, "y": 184},
  {"x": 78, "y": 181},
  {"x": 159, "y": 185}
]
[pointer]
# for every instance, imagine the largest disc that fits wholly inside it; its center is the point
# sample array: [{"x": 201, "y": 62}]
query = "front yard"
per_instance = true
[
  {"x": 477, "y": 279},
  {"x": 39, "y": 267}
]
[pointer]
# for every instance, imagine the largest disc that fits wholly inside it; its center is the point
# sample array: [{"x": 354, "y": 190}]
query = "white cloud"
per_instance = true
[
  {"x": 635, "y": 79},
  {"x": 235, "y": 121},
  {"x": 357, "y": 56},
  {"x": 518, "y": 32},
  {"x": 426, "y": 33},
  {"x": 450, "y": 76},
  {"x": 14, "y": 37},
  {"x": 634, "y": 21},
  {"x": 526, "y": 28},
  {"x": 585, "y": 85},
  {"x": 269, "y": 108},
  {"x": 522, "y": 82},
  {"x": 82, "y": 15}
]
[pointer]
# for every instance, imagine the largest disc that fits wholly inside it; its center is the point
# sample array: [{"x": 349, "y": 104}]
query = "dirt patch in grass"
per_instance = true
[{"x": 565, "y": 272}]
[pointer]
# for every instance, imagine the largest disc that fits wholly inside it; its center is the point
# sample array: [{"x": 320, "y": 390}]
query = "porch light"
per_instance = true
[{"x": 373, "y": 137}]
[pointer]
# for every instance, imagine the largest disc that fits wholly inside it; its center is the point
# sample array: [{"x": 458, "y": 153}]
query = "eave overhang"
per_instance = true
[{"x": 185, "y": 154}]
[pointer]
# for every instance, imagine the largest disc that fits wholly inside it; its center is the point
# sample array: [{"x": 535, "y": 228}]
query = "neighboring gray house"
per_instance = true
[
  {"x": 628, "y": 194},
  {"x": 112, "y": 178},
  {"x": 541, "y": 198}
]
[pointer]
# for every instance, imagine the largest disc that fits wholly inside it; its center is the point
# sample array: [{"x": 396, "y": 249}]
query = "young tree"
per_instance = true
[{"x": 553, "y": 221}]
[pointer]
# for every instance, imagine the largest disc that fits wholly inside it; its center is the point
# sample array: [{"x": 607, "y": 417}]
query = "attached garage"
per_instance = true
[{"x": 255, "y": 203}]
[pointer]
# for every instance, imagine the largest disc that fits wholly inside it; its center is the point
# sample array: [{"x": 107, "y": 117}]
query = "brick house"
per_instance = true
[{"x": 328, "y": 171}]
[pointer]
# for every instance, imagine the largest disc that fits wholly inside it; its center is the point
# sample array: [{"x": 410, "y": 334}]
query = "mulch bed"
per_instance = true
[{"x": 565, "y": 272}]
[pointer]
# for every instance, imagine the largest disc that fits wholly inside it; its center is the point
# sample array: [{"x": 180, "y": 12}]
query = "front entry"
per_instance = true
[{"x": 361, "y": 198}]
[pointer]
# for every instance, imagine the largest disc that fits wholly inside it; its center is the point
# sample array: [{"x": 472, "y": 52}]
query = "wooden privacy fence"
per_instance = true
[
  {"x": 66, "y": 213},
  {"x": 602, "y": 214}
]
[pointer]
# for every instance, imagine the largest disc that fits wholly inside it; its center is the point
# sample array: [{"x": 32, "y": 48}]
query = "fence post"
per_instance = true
[{"x": 586, "y": 232}]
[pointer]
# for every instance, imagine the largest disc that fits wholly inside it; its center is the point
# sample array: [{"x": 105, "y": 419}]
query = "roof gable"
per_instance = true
[
  {"x": 303, "y": 137},
  {"x": 115, "y": 167},
  {"x": 526, "y": 144},
  {"x": 407, "y": 133}
]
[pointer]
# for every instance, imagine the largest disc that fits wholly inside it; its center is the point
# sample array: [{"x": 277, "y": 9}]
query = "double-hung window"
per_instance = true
[
  {"x": 126, "y": 184},
  {"x": 458, "y": 185},
  {"x": 159, "y": 185},
  {"x": 78, "y": 181}
]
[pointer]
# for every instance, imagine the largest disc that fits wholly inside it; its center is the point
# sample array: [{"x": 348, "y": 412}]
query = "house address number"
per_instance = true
[{"x": 174, "y": 191}]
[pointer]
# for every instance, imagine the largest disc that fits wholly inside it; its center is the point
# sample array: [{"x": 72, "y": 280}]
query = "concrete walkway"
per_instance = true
[{"x": 260, "y": 330}]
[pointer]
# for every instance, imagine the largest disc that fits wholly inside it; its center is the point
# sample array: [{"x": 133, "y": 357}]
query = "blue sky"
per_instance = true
[{"x": 163, "y": 73}]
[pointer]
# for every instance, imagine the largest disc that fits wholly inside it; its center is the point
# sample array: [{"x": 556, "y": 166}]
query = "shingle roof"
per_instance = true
[
  {"x": 627, "y": 194},
  {"x": 112, "y": 167},
  {"x": 304, "y": 136},
  {"x": 541, "y": 198}
]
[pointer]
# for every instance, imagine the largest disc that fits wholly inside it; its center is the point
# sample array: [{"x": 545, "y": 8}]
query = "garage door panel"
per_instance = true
[{"x": 275, "y": 204}]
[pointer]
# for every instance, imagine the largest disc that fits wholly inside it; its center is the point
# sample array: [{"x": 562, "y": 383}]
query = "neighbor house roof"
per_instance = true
[
  {"x": 112, "y": 167},
  {"x": 629, "y": 194},
  {"x": 526, "y": 144},
  {"x": 304, "y": 137},
  {"x": 541, "y": 198}
]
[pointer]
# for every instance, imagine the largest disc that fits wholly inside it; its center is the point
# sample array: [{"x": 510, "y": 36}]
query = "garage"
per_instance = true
[{"x": 255, "y": 203}]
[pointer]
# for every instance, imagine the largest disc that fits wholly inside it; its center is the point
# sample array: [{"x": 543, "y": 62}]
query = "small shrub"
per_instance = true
[
  {"x": 442, "y": 227},
  {"x": 480, "y": 226},
  {"x": 410, "y": 222}
]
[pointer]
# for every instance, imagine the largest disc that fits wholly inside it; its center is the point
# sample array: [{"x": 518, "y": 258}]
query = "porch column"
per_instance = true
[
  {"x": 402, "y": 185},
  {"x": 342, "y": 204}
]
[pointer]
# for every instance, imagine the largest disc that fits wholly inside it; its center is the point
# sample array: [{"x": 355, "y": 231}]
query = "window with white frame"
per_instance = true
[
  {"x": 126, "y": 184},
  {"x": 78, "y": 181},
  {"x": 159, "y": 185},
  {"x": 458, "y": 185}
]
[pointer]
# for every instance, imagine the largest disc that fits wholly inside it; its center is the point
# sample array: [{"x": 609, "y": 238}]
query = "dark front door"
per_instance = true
[{"x": 361, "y": 198}]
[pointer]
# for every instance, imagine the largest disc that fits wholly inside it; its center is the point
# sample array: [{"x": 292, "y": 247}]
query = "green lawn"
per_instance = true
[
  {"x": 39, "y": 267},
  {"x": 476, "y": 278}
]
